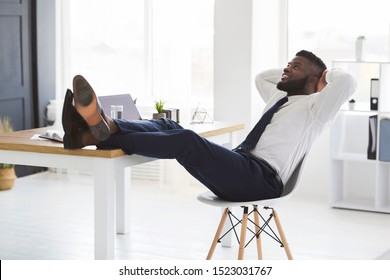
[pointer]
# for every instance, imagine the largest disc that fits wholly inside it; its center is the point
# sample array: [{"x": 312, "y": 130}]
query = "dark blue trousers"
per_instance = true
[{"x": 228, "y": 174}]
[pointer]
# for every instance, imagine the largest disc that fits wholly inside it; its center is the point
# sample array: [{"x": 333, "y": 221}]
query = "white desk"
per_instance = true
[{"x": 110, "y": 168}]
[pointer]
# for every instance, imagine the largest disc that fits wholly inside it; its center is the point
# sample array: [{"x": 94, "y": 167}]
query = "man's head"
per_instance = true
[{"x": 302, "y": 74}]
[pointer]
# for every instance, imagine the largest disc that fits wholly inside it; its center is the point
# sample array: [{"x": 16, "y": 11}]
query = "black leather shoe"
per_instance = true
[
  {"x": 73, "y": 124},
  {"x": 88, "y": 106}
]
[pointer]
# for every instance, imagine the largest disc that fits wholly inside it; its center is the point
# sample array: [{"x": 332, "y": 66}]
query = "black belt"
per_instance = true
[{"x": 264, "y": 163}]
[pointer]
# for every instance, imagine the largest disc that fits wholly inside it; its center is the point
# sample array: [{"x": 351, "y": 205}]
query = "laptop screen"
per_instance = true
[{"x": 130, "y": 111}]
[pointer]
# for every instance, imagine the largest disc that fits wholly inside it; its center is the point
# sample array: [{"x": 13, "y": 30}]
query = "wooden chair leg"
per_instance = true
[
  {"x": 244, "y": 224},
  {"x": 258, "y": 237},
  {"x": 217, "y": 234},
  {"x": 282, "y": 236}
]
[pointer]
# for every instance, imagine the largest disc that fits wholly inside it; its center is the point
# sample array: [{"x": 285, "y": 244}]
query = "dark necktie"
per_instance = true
[{"x": 253, "y": 137}]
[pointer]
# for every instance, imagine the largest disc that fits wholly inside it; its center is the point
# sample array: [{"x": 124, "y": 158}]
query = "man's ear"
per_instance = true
[
  {"x": 312, "y": 83},
  {"x": 314, "y": 80}
]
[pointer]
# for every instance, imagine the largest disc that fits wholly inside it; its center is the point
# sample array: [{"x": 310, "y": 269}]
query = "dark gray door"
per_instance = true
[
  {"x": 17, "y": 53},
  {"x": 16, "y": 90}
]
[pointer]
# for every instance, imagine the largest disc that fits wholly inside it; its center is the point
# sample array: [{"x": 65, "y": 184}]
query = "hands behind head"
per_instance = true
[{"x": 322, "y": 81}]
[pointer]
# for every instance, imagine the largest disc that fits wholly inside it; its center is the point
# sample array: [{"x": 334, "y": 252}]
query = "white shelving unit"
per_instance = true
[{"x": 358, "y": 182}]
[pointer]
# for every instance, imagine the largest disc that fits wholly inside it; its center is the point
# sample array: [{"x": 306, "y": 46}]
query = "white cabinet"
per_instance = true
[{"x": 358, "y": 182}]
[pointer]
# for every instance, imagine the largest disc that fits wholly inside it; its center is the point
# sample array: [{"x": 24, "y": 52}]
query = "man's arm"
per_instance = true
[
  {"x": 336, "y": 86},
  {"x": 322, "y": 81},
  {"x": 266, "y": 83}
]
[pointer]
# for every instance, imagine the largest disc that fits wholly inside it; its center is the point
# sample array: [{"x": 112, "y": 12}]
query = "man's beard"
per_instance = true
[{"x": 292, "y": 85}]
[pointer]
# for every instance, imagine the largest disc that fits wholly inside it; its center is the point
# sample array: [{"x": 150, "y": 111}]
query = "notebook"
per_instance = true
[
  {"x": 130, "y": 111},
  {"x": 53, "y": 134}
]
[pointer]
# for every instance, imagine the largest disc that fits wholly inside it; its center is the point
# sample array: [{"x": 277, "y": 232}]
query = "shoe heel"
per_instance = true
[{"x": 101, "y": 131}]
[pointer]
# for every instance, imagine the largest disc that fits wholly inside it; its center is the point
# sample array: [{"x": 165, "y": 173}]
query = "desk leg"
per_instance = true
[
  {"x": 233, "y": 140},
  {"x": 123, "y": 186},
  {"x": 104, "y": 204}
]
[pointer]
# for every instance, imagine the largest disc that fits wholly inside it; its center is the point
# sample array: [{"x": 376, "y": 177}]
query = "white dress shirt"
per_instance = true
[{"x": 296, "y": 125}]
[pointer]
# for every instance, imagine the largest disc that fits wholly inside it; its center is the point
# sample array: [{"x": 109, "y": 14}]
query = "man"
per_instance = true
[{"x": 261, "y": 165}]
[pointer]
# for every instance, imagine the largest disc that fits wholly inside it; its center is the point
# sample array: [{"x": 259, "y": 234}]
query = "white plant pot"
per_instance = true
[{"x": 159, "y": 115}]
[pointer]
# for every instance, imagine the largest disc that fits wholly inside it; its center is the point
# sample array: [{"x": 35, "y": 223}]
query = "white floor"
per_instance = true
[{"x": 50, "y": 216}]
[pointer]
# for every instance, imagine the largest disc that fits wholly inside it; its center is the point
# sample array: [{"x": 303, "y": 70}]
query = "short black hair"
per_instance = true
[{"x": 315, "y": 60}]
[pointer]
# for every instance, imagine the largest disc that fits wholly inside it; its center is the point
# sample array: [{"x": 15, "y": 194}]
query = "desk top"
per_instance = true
[{"x": 21, "y": 140}]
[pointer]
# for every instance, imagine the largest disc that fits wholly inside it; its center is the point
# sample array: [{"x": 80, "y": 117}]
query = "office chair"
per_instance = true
[{"x": 211, "y": 199}]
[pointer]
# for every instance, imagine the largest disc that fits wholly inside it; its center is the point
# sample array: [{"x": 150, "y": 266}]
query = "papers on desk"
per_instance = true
[{"x": 56, "y": 135}]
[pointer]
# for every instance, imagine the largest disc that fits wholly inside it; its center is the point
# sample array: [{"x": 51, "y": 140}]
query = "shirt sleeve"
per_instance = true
[
  {"x": 340, "y": 86},
  {"x": 266, "y": 83}
]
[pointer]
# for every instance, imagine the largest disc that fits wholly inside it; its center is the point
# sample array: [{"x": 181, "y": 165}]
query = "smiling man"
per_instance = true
[
  {"x": 314, "y": 94},
  {"x": 300, "y": 101}
]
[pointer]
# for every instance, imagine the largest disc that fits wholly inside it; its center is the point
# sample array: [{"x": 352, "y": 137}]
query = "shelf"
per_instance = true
[
  {"x": 362, "y": 112},
  {"x": 353, "y": 157},
  {"x": 353, "y": 174},
  {"x": 359, "y": 112},
  {"x": 363, "y": 205},
  {"x": 348, "y": 60}
]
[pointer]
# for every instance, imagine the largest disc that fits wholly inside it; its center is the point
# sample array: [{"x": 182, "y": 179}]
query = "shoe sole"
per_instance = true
[{"x": 87, "y": 105}]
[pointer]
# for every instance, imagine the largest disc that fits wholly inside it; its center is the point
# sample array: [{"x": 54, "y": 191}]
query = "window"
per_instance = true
[
  {"x": 331, "y": 28},
  {"x": 331, "y": 31},
  {"x": 107, "y": 45},
  {"x": 151, "y": 49}
]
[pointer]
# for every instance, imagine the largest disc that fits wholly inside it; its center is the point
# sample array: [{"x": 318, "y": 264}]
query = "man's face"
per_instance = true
[{"x": 295, "y": 75}]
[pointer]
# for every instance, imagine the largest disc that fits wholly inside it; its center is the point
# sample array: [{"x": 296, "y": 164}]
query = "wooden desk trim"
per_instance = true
[{"x": 21, "y": 140}]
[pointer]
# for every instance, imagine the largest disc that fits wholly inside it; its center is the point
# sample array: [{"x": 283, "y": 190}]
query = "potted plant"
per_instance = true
[
  {"x": 7, "y": 171},
  {"x": 351, "y": 104},
  {"x": 159, "y": 105}
]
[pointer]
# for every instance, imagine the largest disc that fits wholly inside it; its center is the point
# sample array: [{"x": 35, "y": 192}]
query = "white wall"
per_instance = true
[
  {"x": 50, "y": 48},
  {"x": 250, "y": 36},
  {"x": 46, "y": 51},
  {"x": 232, "y": 60}
]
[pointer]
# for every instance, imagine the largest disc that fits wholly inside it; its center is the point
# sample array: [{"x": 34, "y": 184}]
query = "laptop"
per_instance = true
[{"x": 130, "y": 111}]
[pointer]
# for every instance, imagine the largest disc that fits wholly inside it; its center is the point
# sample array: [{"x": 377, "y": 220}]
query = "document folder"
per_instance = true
[{"x": 384, "y": 140}]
